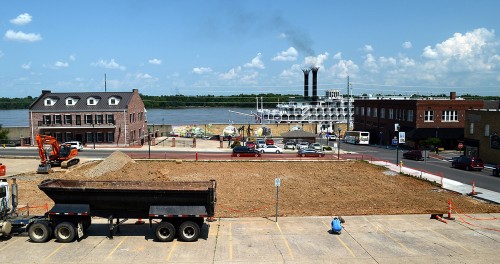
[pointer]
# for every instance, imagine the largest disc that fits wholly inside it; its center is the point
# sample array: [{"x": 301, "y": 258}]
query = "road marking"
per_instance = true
[
  {"x": 174, "y": 244},
  {"x": 54, "y": 252},
  {"x": 114, "y": 249},
  {"x": 10, "y": 244},
  {"x": 341, "y": 241},
  {"x": 393, "y": 239},
  {"x": 284, "y": 240}
]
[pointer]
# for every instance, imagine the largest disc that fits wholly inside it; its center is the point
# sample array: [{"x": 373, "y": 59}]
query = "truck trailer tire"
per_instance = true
[
  {"x": 189, "y": 231},
  {"x": 39, "y": 232},
  {"x": 65, "y": 232},
  {"x": 165, "y": 232}
]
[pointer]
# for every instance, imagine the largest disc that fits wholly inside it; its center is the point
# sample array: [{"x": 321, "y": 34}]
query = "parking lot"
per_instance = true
[{"x": 365, "y": 239}]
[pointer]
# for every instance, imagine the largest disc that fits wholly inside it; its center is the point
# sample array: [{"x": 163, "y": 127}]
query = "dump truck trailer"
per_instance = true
[{"x": 177, "y": 208}]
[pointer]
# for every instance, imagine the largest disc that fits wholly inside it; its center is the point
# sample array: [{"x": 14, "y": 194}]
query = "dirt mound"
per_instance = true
[{"x": 113, "y": 162}]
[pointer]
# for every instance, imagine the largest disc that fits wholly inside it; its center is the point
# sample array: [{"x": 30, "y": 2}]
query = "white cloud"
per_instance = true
[
  {"x": 345, "y": 68},
  {"x": 155, "y": 61},
  {"x": 142, "y": 76},
  {"x": 22, "y": 19},
  {"x": 288, "y": 55},
  {"x": 108, "y": 65},
  {"x": 202, "y": 70},
  {"x": 337, "y": 56},
  {"x": 21, "y": 36},
  {"x": 231, "y": 74},
  {"x": 256, "y": 62},
  {"x": 294, "y": 71},
  {"x": 407, "y": 45},
  {"x": 60, "y": 64},
  {"x": 26, "y": 66},
  {"x": 368, "y": 48},
  {"x": 317, "y": 61}
]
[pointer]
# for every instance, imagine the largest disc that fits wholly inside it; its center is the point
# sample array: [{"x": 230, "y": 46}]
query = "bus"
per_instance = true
[{"x": 357, "y": 137}]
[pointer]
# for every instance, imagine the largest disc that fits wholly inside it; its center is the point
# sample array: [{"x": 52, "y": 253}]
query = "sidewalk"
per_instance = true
[{"x": 447, "y": 184}]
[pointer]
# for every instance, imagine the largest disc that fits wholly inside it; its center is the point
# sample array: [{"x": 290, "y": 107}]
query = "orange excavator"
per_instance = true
[{"x": 53, "y": 154}]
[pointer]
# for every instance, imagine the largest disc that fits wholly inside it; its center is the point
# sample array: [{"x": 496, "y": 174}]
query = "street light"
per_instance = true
[{"x": 338, "y": 144}]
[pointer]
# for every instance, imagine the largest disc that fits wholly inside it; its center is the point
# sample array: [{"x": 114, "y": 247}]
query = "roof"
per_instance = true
[
  {"x": 298, "y": 134},
  {"x": 81, "y": 105}
]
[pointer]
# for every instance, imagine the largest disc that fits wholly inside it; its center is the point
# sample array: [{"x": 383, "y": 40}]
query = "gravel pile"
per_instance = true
[{"x": 113, "y": 162}]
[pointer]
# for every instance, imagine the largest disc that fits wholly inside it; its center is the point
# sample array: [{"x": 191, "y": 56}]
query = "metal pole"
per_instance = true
[{"x": 277, "y": 192}]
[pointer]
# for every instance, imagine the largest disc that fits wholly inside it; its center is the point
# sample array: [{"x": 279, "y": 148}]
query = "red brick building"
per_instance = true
[
  {"x": 420, "y": 118},
  {"x": 103, "y": 118}
]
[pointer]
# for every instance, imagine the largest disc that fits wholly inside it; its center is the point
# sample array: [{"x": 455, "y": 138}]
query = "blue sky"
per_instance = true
[{"x": 233, "y": 47}]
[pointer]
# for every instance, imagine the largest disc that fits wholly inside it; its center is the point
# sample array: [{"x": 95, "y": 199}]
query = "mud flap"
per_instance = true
[{"x": 80, "y": 230}]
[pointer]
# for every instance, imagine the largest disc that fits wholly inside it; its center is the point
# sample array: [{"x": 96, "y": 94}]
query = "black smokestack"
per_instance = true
[
  {"x": 306, "y": 83},
  {"x": 315, "y": 84}
]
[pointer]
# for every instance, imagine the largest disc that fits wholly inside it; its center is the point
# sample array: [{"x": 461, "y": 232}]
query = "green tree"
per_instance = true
[{"x": 3, "y": 133}]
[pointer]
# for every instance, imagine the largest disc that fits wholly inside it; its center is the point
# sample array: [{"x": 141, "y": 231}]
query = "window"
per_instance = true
[
  {"x": 100, "y": 136},
  {"x": 382, "y": 112},
  {"x": 88, "y": 119},
  {"x": 111, "y": 136},
  {"x": 46, "y": 120},
  {"x": 89, "y": 137},
  {"x": 92, "y": 101},
  {"x": 98, "y": 119},
  {"x": 110, "y": 119},
  {"x": 449, "y": 116},
  {"x": 78, "y": 120},
  {"x": 391, "y": 113},
  {"x": 429, "y": 116},
  {"x": 410, "y": 115},
  {"x": 57, "y": 119},
  {"x": 67, "y": 119},
  {"x": 68, "y": 136}
]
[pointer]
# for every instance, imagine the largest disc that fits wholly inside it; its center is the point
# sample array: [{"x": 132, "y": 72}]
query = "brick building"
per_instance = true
[
  {"x": 482, "y": 134},
  {"x": 420, "y": 118},
  {"x": 104, "y": 118}
]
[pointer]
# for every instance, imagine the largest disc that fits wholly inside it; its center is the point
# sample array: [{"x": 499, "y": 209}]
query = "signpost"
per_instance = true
[{"x": 277, "y": 183}]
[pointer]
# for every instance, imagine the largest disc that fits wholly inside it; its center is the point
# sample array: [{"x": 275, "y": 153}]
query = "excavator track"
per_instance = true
[{"x": 68, "y": 163}]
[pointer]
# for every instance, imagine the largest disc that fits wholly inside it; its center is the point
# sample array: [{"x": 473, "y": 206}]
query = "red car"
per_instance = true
[{"x": 468, "y": 163}]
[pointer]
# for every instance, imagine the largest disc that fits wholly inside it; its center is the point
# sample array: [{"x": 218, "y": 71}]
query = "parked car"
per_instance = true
[
  {"x": 270, "y": 149},
  {"x": 414, "y": 154},
  {"x": 316, "y": 146},
  {"x": 496, "y": 170},
  {"x": 269, "y": 141},
  {"x": 468, "y": 163},
  {"x": 303, "y": 145},
  {"x": 289, "y": 145},
  {"x": 75, "y": 145},
  {"x": 309, "y": 152},
  {"x": 250, "y": 144},
  {"x": 244, "y": 151}
]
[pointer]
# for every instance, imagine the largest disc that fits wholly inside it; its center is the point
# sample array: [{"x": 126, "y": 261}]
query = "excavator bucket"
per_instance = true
[{"x": 44, "y": 169}]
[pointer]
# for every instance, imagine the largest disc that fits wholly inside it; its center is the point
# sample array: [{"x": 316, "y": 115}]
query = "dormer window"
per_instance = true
[
  {"x": 92, "y": 101},
  {"x": 71, "y": 101},
  {"x": 113, "y": 100},
  {"x": 49, "y": 102}
]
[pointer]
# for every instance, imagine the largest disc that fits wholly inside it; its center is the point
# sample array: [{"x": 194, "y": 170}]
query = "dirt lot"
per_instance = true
[{"x": 307, "y": 188}]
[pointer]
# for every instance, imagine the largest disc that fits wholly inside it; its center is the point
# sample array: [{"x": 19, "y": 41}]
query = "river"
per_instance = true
[{"x": 184, "y": 116}]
